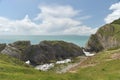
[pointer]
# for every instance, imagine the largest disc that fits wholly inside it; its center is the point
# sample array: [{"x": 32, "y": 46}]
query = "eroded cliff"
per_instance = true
[
  {"x": 44, "y": 52},
  {"x": 108, "y": 36}
]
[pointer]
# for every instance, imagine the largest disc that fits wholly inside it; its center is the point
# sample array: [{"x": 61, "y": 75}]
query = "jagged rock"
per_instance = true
[
  {"x": 45, "y": 52},
  {"x": 94, "y": 44},
  {"x": 48, "y": 51},
  {"x": 106, "y": 37},
  {"x": 19, "y": 49},
  {"x": 2, "y": 46}
]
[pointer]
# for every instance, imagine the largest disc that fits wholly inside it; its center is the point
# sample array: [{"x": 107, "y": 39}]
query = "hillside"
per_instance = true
[
  {"x": 103, "y": 66},
  {"x": 108, "y": 36}
]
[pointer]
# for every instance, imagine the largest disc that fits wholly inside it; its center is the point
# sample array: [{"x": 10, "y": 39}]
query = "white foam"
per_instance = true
[
  {"x": 44, "y": 67},
  {"x": 88, "y": 53},
  {"x": 27, "y": 62},
  {"x": 63, "y": 61}
]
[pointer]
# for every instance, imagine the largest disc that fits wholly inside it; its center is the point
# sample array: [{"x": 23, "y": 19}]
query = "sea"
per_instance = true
[{"x": 35, "y": 39}]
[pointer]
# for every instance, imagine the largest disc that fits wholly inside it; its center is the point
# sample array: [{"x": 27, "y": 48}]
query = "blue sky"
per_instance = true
[{"x": 44, "y": 17}]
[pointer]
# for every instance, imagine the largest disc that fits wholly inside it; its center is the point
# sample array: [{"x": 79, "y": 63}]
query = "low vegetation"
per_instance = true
[{"x": 105, "y": 66}]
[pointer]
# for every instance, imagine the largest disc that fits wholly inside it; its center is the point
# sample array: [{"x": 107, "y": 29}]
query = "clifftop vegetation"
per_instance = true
[{"x": 108, "y": 36}]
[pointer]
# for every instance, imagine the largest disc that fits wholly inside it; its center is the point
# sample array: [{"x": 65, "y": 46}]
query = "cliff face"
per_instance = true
[
  {"x": 2, "y": 46},
  {"x": 48, "y": 51},
  {"x": 19, "y": 49},
  {"x": 108, "y": 36},
  {"x": 45, "y": 52}
]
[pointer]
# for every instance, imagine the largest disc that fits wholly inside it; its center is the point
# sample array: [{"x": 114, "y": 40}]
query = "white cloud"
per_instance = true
[
  {"x": 115, "y": 14},
  {"x": 13, "y": 27},
  {"x": 56, "y": 11},
  {"x": 82, "y": 30},
  {"x": 53, "y": 20}
]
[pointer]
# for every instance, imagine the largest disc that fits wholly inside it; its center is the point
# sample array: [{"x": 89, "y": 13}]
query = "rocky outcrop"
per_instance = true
[
  {"x": 45, "y": 52},
  {"x": 2, "y": 46},
  {"x": 108, "y": 36},
  {"x": 48, "y": 51},
  {"x": 19, "y": 49},
  {"x": 94, "y": 45}
]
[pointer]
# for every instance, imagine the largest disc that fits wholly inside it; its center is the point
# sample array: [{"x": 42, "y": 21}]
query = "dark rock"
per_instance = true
[
  {"x": 19, "y": 49},
  {"x": 94, "y": 45},
  {"x": 48, "y": 51},
  {"x": 2, "y": 46},
  {"x": 45, "y": 52}
]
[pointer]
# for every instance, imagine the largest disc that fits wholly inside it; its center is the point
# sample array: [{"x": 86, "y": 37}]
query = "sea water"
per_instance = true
[{"x": 35, "y": 39}]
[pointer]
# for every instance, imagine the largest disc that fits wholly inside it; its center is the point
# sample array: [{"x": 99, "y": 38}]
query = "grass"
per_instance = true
[
  {"x": 110, "y": 30},
  {"x": 104, "y": 71},
  {"x": 13, "y": 69}
]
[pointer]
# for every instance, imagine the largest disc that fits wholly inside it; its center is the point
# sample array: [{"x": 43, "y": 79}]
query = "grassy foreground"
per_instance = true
[{"x": 105, "y": 66}]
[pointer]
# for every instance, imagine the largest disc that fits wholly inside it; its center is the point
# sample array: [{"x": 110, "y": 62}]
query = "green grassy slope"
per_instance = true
[
  {"x": 112, "y": 30},
  {"x": 13, "y": 69},
  {"x": 103, "y": 66},
  {"x": 106, "y": 67}
]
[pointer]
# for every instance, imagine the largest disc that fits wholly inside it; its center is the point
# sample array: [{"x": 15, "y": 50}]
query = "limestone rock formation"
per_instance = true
[
  {"x": 48, "y": 51},
  {"x": 108, "y": 36},
  {"x": 19, "y": 49},
  {"x": 45, "y": 52},
  {"x": 2, "y": 46}
]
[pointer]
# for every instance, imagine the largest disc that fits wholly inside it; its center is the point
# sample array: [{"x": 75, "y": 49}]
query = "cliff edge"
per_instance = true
[{"x": 108, "y": 36}]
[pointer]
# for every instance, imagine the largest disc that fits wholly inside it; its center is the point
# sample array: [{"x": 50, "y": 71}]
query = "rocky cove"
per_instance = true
[{"x": 48, "y": 52}]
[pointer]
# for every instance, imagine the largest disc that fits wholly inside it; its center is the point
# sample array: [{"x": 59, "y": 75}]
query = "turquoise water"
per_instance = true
[{"x": 78, "y": 40}]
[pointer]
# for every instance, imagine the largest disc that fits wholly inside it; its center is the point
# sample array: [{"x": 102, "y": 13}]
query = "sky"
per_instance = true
[{"x": 56, "y": 17}]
